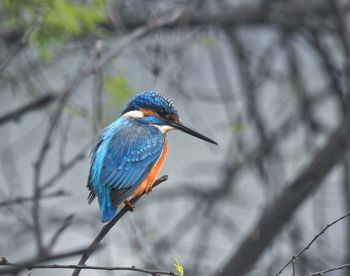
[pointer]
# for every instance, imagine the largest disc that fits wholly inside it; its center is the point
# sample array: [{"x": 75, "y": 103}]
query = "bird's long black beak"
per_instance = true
[{"x": 185, "y": 128}]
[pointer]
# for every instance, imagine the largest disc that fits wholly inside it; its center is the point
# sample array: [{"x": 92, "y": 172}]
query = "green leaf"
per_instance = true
[
  {"x": 179, "y": 269},
  {"x": 55, "y": 21}
]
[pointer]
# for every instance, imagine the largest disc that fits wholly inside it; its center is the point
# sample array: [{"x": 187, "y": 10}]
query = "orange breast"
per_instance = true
[{"x": 147, "y": 183}]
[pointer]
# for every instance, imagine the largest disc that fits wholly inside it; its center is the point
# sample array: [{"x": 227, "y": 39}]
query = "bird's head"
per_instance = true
[{"x": 154, "y": 109}]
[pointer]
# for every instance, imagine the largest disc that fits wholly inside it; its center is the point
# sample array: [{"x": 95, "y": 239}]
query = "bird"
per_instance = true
[{"x": 129, "y": 153}]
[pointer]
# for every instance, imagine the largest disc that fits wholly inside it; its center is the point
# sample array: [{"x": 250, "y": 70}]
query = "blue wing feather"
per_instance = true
[{"x": 121, "y": 159}]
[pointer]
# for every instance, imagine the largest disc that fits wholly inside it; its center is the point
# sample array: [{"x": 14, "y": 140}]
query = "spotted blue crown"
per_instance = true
[{"x": 151, "y": 100}]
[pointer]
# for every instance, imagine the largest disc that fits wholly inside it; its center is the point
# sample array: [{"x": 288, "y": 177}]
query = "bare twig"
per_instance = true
[
  {"x": 311, "y": 242},
  {"x": 64, "y": 95},
  {"x": 280, "y": 211},
  {"x": 40, "y": 259},
  {"x": 5, "y": 262},
  {"x": 93, "y": 64},
  {"x": 22, "y": 43},
  {"x": 340, "y": 267},
  {"x": 105, "y": 229},
  {"x": 143, "y": 30},
  {"x": 34, "y": 105},
  {"x": 23, "y": 199},
  {"x": 83, "y": 73},
  {"x": 65, "y": 167},
  {"x": 291, "y": 13},
  {"x": 67, "y": 221},
  {"x": 249, "y": 15}
]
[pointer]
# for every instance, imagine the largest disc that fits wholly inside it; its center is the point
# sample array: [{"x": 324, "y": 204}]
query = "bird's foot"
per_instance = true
[
  {"x": 147, "y": 191},
  {"x": 130, "y": 206}
]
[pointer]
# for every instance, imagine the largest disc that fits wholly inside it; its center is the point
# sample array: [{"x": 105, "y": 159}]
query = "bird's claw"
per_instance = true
[{"x": 130, "y": 206}]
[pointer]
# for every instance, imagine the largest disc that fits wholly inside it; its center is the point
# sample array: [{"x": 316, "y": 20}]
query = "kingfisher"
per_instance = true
[{"x": 130, "y": 152}]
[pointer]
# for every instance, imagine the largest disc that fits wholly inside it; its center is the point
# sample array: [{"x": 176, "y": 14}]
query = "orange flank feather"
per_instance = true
[{"x": 147, "y": 183}]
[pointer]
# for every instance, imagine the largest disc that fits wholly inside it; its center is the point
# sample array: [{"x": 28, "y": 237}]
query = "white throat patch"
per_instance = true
[
  {"x": 163, "y": 129},
  {"x": 134, "y": 114}
]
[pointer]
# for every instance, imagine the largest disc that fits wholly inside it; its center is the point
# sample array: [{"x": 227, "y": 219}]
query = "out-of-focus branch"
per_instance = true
[
  {"x": 340, "y": 16},
  {"x": 346, "y": 198},
  {"x": 92, "y": 65},
  {"x": 21, "y": 44},
  {"x": 64, "y": 168},
  {"x": 34, "y": 105},
  {"x": 23, "y": 199},
  {"x": 280, "y": 211},
  {"x": 311, "y": 242},
  {"x": 288, "y": 14},
  {"x": 5, "y": 262},
  {"x": 105, "y": 229},
  {"x": 41, "y": 259},
  {"x": 328, "y": 65},
  {"x": 66, "y": 223}
]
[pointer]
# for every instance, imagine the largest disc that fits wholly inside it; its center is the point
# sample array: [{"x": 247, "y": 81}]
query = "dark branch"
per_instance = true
[
  {"x": 106, "y": 228},
  {"x": 22, "y": 43},
  {"x": 64, "y": 168},
  {"x": 23, "y": 199},
  {"x": 92, "y": 66},
  {"x": 280, "y": 211},
  {"x": 40, "y": 259},
  {"x": 284, "y": 14},
  {"x": 66, "y": 223},
  {"x": 5, "y": 262},
  {"x": 311, "y": 242},
  {"x": 340, "y": 267},
  {"x": 34, "y": 105}
]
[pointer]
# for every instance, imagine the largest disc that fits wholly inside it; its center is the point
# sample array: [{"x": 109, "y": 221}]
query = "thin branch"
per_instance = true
[
  {"x": 152, "y": 25},
  {"x": 289, "y": 14},
  {"x": 280, "y": 211},
  {"x": 92, "y": 65},
  {"x": 64, "y": 168},
  {"x": 40, "y": 259},
  {"x": 5, "y": 262},
  {"x": 106, "y": 228},
  {"x": 64, "y": 95},
  {"x": 63, "y": 143},
  {"x": 340, "y": 17},
  {"x": 21, "y": 44},
  {"x": 66, "y": 223},
  {"x": 311, "y": 242},
  {"x": 23, "y": 199},
  {"x": 34, "y": 105},
  {"x": 91, "y": 68},
  {"x": 340, "y": 267},
  {"x": 285, "y": 14}
]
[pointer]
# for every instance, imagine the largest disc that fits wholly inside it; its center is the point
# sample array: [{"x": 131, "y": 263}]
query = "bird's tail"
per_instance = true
[
  {"x": 107, "y": 213},
  {"x": 106, "y": 208}
]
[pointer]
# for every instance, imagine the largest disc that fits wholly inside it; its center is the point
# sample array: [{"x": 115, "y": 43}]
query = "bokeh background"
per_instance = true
[{"x": 268, "y": 79}]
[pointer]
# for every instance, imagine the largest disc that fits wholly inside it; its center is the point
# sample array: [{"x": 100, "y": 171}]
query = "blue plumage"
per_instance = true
[
  {"x": 121, "y": 159},
  {"x": 130, "y": 152}
]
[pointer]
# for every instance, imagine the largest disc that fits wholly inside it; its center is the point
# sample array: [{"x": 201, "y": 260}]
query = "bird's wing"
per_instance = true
[{"x": 129, "y": 154}]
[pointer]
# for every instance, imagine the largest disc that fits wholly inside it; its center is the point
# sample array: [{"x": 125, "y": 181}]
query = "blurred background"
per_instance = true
[{"x": 268, "y": 79}]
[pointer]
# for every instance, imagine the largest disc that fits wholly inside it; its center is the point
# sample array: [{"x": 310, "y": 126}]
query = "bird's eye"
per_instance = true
[
  {"x": 161, "y": 112},
  {"x": 167, "y": 116}
]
